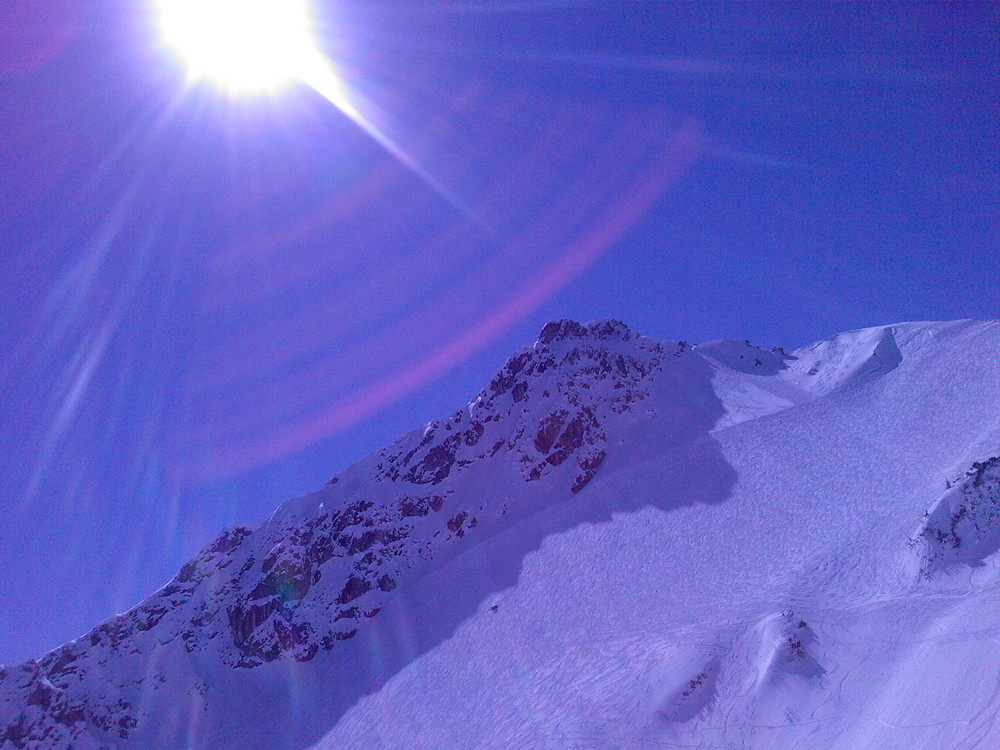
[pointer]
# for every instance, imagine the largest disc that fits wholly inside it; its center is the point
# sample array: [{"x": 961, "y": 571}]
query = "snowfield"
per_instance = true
[{"x": 618, "y": 543}]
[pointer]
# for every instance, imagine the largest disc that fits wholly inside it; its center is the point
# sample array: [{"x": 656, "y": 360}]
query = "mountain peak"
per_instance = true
[
  {"x": 570, "y": 383},
  {"x": 605, "y": 329}
]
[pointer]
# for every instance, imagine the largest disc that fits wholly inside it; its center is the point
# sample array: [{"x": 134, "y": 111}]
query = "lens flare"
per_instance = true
[{"x": 244, "y": 46}]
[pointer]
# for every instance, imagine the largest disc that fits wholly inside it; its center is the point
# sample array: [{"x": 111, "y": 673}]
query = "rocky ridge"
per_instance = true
[{"x": 307, "y": 580}]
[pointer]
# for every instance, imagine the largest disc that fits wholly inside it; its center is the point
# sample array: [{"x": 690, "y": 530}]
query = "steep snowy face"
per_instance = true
[{"x": 540, "y": 429}]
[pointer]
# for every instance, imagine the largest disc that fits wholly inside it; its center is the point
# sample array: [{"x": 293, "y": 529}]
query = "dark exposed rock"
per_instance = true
[
  {"x": 355, "y": 587},
  {"x": 474, "y": 434},
  {"x": 283, "y": 585},
  {"x": 979, "y": 468},
  {"x": 330, "y": 641},
  {"x": 352, "y": 515},
  {"x": 548, "y": 430},
  {"x": 321, "y": 549},
  {"x": 420, "y": 506},
  {"x": 558, "y": 330},
  {"x": 17, "y": 732},
  {"x": 505, "y": 379},
  {"x": 588, "y": 470},
  {"x": 57, "y": 663},
  {"x": 572, "y": 436},
  {"x": 963, "y": 526},
  {"x": 381, "y": 536},
  {"x": 229, "y": 539},
  {"x": 242, "y": 622},
  {"x": 187, "y": 571},
  {"x": 436, "y": 464},
  {"x": 40, "y": 695},
  {"x": 559, "y": 437},
  {"x": 148, "y": 616},
  {"x": 603, "y": 330}
]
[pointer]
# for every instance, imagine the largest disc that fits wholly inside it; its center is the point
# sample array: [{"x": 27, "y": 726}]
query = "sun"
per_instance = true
[
  {"x": 244, "y": 46},
  {"x": 263, "y": 46}
]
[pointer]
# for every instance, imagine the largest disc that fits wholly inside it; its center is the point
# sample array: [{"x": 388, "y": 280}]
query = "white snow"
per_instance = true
[
  {"x": 608, "y": 621},
  {"x": 763, "y": 556}
]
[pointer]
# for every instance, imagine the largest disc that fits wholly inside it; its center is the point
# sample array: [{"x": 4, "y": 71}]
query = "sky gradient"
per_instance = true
[{"x": 208, "y": 306}]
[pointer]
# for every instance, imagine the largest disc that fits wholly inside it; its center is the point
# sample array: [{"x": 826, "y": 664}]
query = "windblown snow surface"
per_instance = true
[{"x": 618, "y": 543}]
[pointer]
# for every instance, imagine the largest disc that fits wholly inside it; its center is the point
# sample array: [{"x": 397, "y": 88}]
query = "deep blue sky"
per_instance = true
[{"x": 209, "y": 306}]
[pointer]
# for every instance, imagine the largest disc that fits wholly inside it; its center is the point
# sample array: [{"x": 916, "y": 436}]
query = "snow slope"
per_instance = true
[{"x": 618, "y": 543}]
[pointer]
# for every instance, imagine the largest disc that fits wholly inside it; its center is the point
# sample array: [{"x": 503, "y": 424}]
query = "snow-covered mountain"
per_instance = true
[{"x": 618, "y": 543}]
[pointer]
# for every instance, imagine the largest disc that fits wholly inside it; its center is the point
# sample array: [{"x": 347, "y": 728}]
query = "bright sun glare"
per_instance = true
[
  {"x": 245, "y": 46},
  {"x": 260, "y": 46}
]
